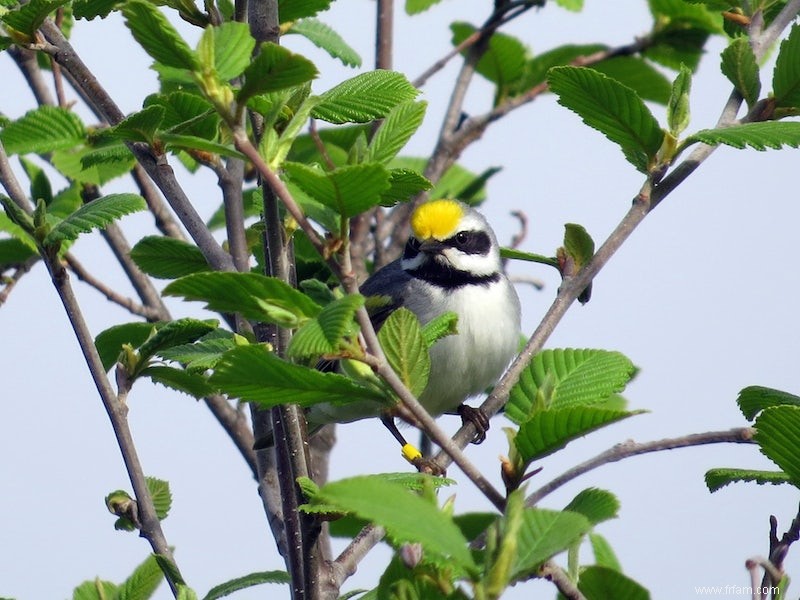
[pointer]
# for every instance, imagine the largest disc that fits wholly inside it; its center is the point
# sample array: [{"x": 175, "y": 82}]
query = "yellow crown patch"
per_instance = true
[{"x": 437, "y": 219}]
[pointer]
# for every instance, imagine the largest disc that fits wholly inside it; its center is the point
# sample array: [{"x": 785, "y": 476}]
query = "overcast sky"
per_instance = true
[{"x": 702, "y": 298}]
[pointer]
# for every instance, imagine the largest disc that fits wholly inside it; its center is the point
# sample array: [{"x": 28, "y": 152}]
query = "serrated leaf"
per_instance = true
[
  {"x": 740, "y": 67},
  {"x": 143, "y": 582},
  {"x": 168, "y": 258},
  {"x": 254, "y": 296},
  {"x": 70, "y": 163},
  {"x": 193, "y": 384},
  {"x": 116, "y": 155},
  {"x": 545, "y": 533},
  {"x": 604, "y": 555},
  {"x": 89, "y": 9},
  {"x": 95, "y": 590},
  {"x": 719, "y": 478},
  {"x": 439, "y": 327},
  {"x": 760, "y": 136},
  {"x": 456, "y": 182},
  {"x": 254, "y": 374},
  {"x": 157, "y": 35},
  {"x": 137, "y": 127},
  {"x": 95, "y": 215},
  {"x": 322, "y": 36},
  {"x": 110, "y": 341},
  {"x": 162, "y": 497},
  {"x": 595, "y": 504},
  {"x": 275, "y": 68},
  {"x": 324, "y": 334},
  {"x": 601, "y": 583},
  {"x": 186, "y": 114},
  {"x": 405, "y": 515},
  {"x": 395, "y": 131},
  {"x": 348, "y": 190},
  {"x": 755, "y": 398},
  {"x": 43, "y": 130},
  {"x": 248, "y": 581},
  {"x": 550, "y": 430},
  {"x": 639, "y": 75},
  {"x": 414, "y": 7},
  {"x": 611, "y": 108},
  {"x": 233, "y": 48},
  {"x": 786, "y": 77},
  {"x": 14, "y": 252},
  {"x": 406, "y": 350},
  {"x": 275, "y": 152},
  {"x": 193, "y": 143},
  {"x": 29, "y": 16},
  {"x": 503, "y": 61},
  {"x": 678, "y": 105},
  {"x": 579, "y": 377},
  {"x": 364, "y": 98},
  {"x": 173, "y": 333},
  {"x": 203, "y": 354},
  {"x": 403, "y": 184},
  {"x": 778, "y": 437},
  {"x": 292, "y": 10}
]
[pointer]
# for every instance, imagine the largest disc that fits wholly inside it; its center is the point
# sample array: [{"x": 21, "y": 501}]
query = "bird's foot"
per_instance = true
[{"x": 478, "y": 418}]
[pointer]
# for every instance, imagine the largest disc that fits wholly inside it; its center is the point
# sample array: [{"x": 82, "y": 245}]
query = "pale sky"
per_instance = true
[{"x": 702, "y": 298}]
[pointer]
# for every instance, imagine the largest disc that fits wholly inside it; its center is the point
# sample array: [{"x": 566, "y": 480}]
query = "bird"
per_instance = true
[{"x": 451, "y": 263}]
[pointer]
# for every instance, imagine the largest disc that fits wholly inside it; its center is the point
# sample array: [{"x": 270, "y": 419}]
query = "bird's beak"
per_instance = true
[{"x": 431, "y": 246}]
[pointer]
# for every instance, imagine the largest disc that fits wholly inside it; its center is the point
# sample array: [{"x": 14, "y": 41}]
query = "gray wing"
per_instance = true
[{"x": 391, "y": 281}]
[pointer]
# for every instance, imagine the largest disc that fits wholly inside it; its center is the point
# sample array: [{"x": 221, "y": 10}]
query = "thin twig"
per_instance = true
[
  {"x": 29, "y": 66},
  {"x": 741, "y": 435},
  {"x": 552, "y": 572},
  {"x": 9, "y": 282}
]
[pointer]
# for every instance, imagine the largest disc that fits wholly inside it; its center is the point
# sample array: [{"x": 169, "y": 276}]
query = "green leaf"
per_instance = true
[
  {"x": 110, "y": 341},
  {"x": 193, "y": 384},
  {"x": 292, "y": 10},
  {"x": 162, "y": 497},
  {"x": 324, "y": 335},
  {"x": 275, "y": 152},
  {"x": 348, "y": 190},
  {"x": 545, "y": 533},
  {"x": 254, "y": 296},
  {"x": 405, "y": 515},
  {"x": 755, "y": 398},
  {"x": 778, "y": 437},
  {"x": 550, "y": 430},
  {"x": 740, "y": 67},
  {"x": 403, "y": 184},
  {"x": 395, "y": 131},
  {"x": 95, "y": 215},
  {"x": 19, "y": 233},
  {"x": 365, "y": 97},
  {"x": 719, "y": 478},
  {"x": 514, "y": 254},
  {"x": 770, "y": 134},
  {"x": 233, "y": 48},
  {"x": 322, "y": 36},
  {"x": 203, "y": 354},
  {"x": 89, "y": 9},
  {"x": 456, "y": 182},
  {"x": 173, "y": 333},
  {"x": 143, "y": 582},
  {"x": 275, "y": 68},
  {"x": 639, "y": 75},
  {"x": 579, "y": 377},
  {"x": 611, "y": 108},
  {"x": 578, "y": 244},
  {"x": 786, "y": 77},
  {"x": 536, "y": 69},
  {"x": 138, "y": 127},
  {"x": 40, "y": 185},
  {"x": 604, "y": 555},
  {"x": 406, "y": 350},
  {"x": 72, "y": 164},
  {"x": 167, "y": 258},
  {"x": 254, "y": 374},
  {"x": 414, "y": 7},
  {"x": 439, "y": 327},
  {"x": 503, "y": 61},
  {"x": 157, "y": 35},
  {"x": 248, "y": 581},
  {"x": 186, "y": 114},
  {"x": 29, "y": 16},
  {"x": 573, "y": 5},
  {"x": 595, "y": 504},
  {"x": 43, "y": 130},
  {"x": 14, "y": 252},
  {"x": 95, "y": 590},
  {"x": 601, "y": 583},
  {"x": 192, "y": 142},
  {"x": 678, "y": 106}
]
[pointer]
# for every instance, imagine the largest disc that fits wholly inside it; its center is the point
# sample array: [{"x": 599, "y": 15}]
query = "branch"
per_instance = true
[
  {"x": 150, "y": 527},
  {"x": 742, "y": 435},
  {"x": 552, "y": 572}
]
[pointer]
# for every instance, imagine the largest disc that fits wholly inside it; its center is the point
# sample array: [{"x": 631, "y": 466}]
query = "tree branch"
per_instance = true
[{"x": 741, "y": 435}]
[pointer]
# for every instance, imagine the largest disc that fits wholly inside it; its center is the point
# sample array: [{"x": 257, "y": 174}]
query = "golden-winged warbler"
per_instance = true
[{"x": 451, "y": 263}]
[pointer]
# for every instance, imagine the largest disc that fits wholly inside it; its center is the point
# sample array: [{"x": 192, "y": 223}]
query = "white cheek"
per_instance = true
[{"x": 477, "y": 264}]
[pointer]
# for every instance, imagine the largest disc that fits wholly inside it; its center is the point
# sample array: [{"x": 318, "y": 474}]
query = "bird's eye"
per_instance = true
[{"x": 462, "y": 237}]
